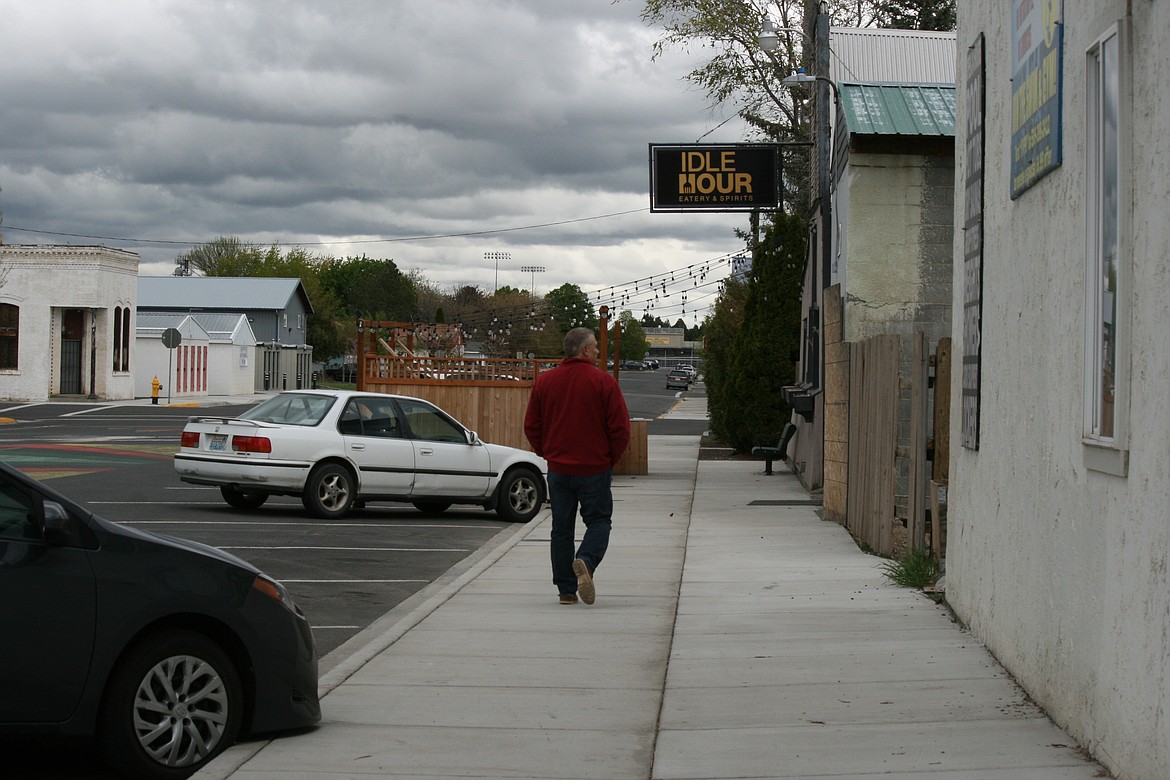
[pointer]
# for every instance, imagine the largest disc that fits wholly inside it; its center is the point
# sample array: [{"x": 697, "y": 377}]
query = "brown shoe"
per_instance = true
[
  {"x": 569, "y": 598},
  {"x": 584, "y": 581}
]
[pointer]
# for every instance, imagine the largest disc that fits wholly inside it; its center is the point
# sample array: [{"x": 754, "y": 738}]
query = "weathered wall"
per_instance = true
[
  {"x": 898, "y": 256},
  {"x": 1060, "y": 567}
]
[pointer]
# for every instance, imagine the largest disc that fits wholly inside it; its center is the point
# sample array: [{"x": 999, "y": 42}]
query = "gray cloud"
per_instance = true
[{"x": 331, "y": 124}]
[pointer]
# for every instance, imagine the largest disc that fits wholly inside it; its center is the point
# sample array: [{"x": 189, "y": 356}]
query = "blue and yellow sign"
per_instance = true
[{"x": 1037, "y": 60}]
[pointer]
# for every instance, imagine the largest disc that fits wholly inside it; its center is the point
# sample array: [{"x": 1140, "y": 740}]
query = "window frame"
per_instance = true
[
  {"x": 15, "y": 336},
  {"x": 125, "y": 367},
  {"x": 1108, "y": 252}
]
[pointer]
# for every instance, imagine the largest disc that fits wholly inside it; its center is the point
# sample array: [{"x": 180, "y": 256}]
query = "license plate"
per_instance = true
[{"x": 217, "y": 442}]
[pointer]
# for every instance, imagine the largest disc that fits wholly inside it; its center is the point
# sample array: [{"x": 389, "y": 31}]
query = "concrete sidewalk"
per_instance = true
[{"x": 735, "y": 635}]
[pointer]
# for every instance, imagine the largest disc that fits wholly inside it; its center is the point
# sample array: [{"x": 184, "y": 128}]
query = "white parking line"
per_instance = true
[
  {"x": 7, "y": 409},
  {"x": 91, "y": 410},
  {"x": 296, "y": 523},
  {"x": 358, "y": 549},
  {"x": 345, "y": 582}
]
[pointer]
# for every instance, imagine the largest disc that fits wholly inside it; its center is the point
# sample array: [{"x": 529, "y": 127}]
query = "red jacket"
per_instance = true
[{"x": 577, "y": 418}]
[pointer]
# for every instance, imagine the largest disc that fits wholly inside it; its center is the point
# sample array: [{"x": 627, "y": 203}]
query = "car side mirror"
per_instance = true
[
  {"x": 472, "y": 437},
  {"x": 58, "y": 524}
]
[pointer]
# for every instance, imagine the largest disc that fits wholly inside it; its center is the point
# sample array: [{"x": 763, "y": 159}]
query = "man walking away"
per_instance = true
[{"x": 577, "y": 420}]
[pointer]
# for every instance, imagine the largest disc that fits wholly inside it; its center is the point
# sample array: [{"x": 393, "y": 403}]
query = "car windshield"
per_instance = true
[{"x": 291, "y": 409}]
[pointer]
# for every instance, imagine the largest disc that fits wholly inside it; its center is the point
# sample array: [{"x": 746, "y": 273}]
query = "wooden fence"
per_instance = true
[
  {"x": 898, "y": 443},
  {"x": 488, "y": 395},
  {"x": 873, "y": 433}
]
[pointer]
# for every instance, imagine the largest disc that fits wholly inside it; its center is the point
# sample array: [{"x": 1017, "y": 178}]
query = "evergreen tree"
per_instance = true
[
  {"x": 723, "y": 326},
  {"x": 633, "y": 344},
  {"x": 570, "y": 308},
  {"x": 753, "y": 338}
]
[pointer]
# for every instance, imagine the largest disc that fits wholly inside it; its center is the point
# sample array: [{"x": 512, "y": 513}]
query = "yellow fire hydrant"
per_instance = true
[{"x": 155, "y": 386}]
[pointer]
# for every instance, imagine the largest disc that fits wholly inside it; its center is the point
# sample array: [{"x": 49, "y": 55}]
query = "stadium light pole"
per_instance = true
[
  {"x": 497, "y": 256},
  {"x": 533, "y": 270}
]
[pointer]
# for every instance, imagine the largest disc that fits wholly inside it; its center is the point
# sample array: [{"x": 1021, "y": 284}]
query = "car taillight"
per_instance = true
[
  {"x": 251, "y": 444},
  {"x": 190, "y": 439}
]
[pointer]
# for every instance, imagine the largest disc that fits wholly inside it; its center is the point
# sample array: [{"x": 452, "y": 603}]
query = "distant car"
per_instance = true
[
  {"x": 678, "y": 379},
  {"x": 691, "y": 370},
  {"x": 336, "y": 449},
  {"x": 163, "y": 649},
  {"x": 651, "y": 364},
  {"x": 340, "y": 371},
  {"x": 632, "y": 365}
]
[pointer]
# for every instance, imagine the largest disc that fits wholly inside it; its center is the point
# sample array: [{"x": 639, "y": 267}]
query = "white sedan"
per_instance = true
[{"x": 338, "y": 448}]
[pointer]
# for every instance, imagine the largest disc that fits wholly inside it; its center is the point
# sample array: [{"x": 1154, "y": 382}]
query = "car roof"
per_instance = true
[{"x": 345, "y": 394}]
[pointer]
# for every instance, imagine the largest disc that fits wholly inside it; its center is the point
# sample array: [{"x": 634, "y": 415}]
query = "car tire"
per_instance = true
[
  {"x": 243, "y": 499},
  {"x": 330, "y": 491},
  {"x": 432, "y": 507},
  {"x": 521, "y": 495},
  {"x": 169, "y": 687}
]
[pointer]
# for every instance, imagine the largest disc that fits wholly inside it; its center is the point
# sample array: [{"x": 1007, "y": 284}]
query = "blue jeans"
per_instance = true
[{"x": 595, "y": 498}]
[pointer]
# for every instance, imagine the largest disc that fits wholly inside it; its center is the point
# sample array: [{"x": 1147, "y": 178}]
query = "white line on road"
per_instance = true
[
  {"x": 296, "y": 523},
  {"x": 357, "y": 549},
  {"x": 344, "y": 582},
  {"x": 86, "y": 411}
]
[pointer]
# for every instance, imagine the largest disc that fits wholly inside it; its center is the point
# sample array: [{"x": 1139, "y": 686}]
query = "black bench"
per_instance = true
[{"x": 773, "y": 446}]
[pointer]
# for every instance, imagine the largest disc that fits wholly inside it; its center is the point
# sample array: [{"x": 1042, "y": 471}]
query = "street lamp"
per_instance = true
[
  {"x": 800, "y": 77},
  {"x": 497, "y": 256},
  {"x": 770, "y": 41},
  {"x": 533, "y": 270}
]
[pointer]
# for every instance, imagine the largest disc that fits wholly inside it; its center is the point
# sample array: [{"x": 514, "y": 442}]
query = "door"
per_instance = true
[
  {"x": 72, "y": 333},
  {"x": 445, "y": 464},
  {"x": 47, "y": 608},
  {"x": 375, "y": 441}
]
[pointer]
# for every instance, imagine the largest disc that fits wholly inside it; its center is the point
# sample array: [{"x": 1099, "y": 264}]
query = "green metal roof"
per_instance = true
[{"x": 899, "y": 109}]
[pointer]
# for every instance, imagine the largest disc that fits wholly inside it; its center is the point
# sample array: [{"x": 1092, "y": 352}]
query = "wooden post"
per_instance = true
[
  {"x": 603, "y": 337},
  {"x": 361, "y": 356},
  {"x": 635, "y": 459},
  {"x": 617, "y": 349}
]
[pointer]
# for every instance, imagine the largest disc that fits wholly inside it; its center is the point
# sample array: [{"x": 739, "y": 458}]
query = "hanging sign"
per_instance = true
[{"x": 697, "y": 177}]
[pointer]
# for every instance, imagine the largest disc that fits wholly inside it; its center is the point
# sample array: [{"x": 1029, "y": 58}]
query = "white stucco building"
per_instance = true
[
  {"x": 1059, "y": 527},
  {"x": 217, "y": 355},
  {"x": 66, "y": 322}
]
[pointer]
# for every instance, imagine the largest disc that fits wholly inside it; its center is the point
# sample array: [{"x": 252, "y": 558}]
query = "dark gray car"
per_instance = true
[{"x": 164, "y": 649}]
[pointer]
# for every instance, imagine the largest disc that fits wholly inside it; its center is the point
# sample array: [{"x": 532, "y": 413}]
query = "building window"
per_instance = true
[
  {"x": 9, "y": 335},
  {"x": 117, "y": 338},
  {"x": 1107, "y": 266},
  {"x": 126, "y": 339}
]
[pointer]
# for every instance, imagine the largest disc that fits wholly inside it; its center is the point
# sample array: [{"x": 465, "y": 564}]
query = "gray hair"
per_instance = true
[{"x": 575, "y": 341}]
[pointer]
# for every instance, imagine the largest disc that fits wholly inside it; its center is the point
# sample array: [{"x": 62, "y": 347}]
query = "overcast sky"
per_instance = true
[{"x": 402, "y": 129}]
